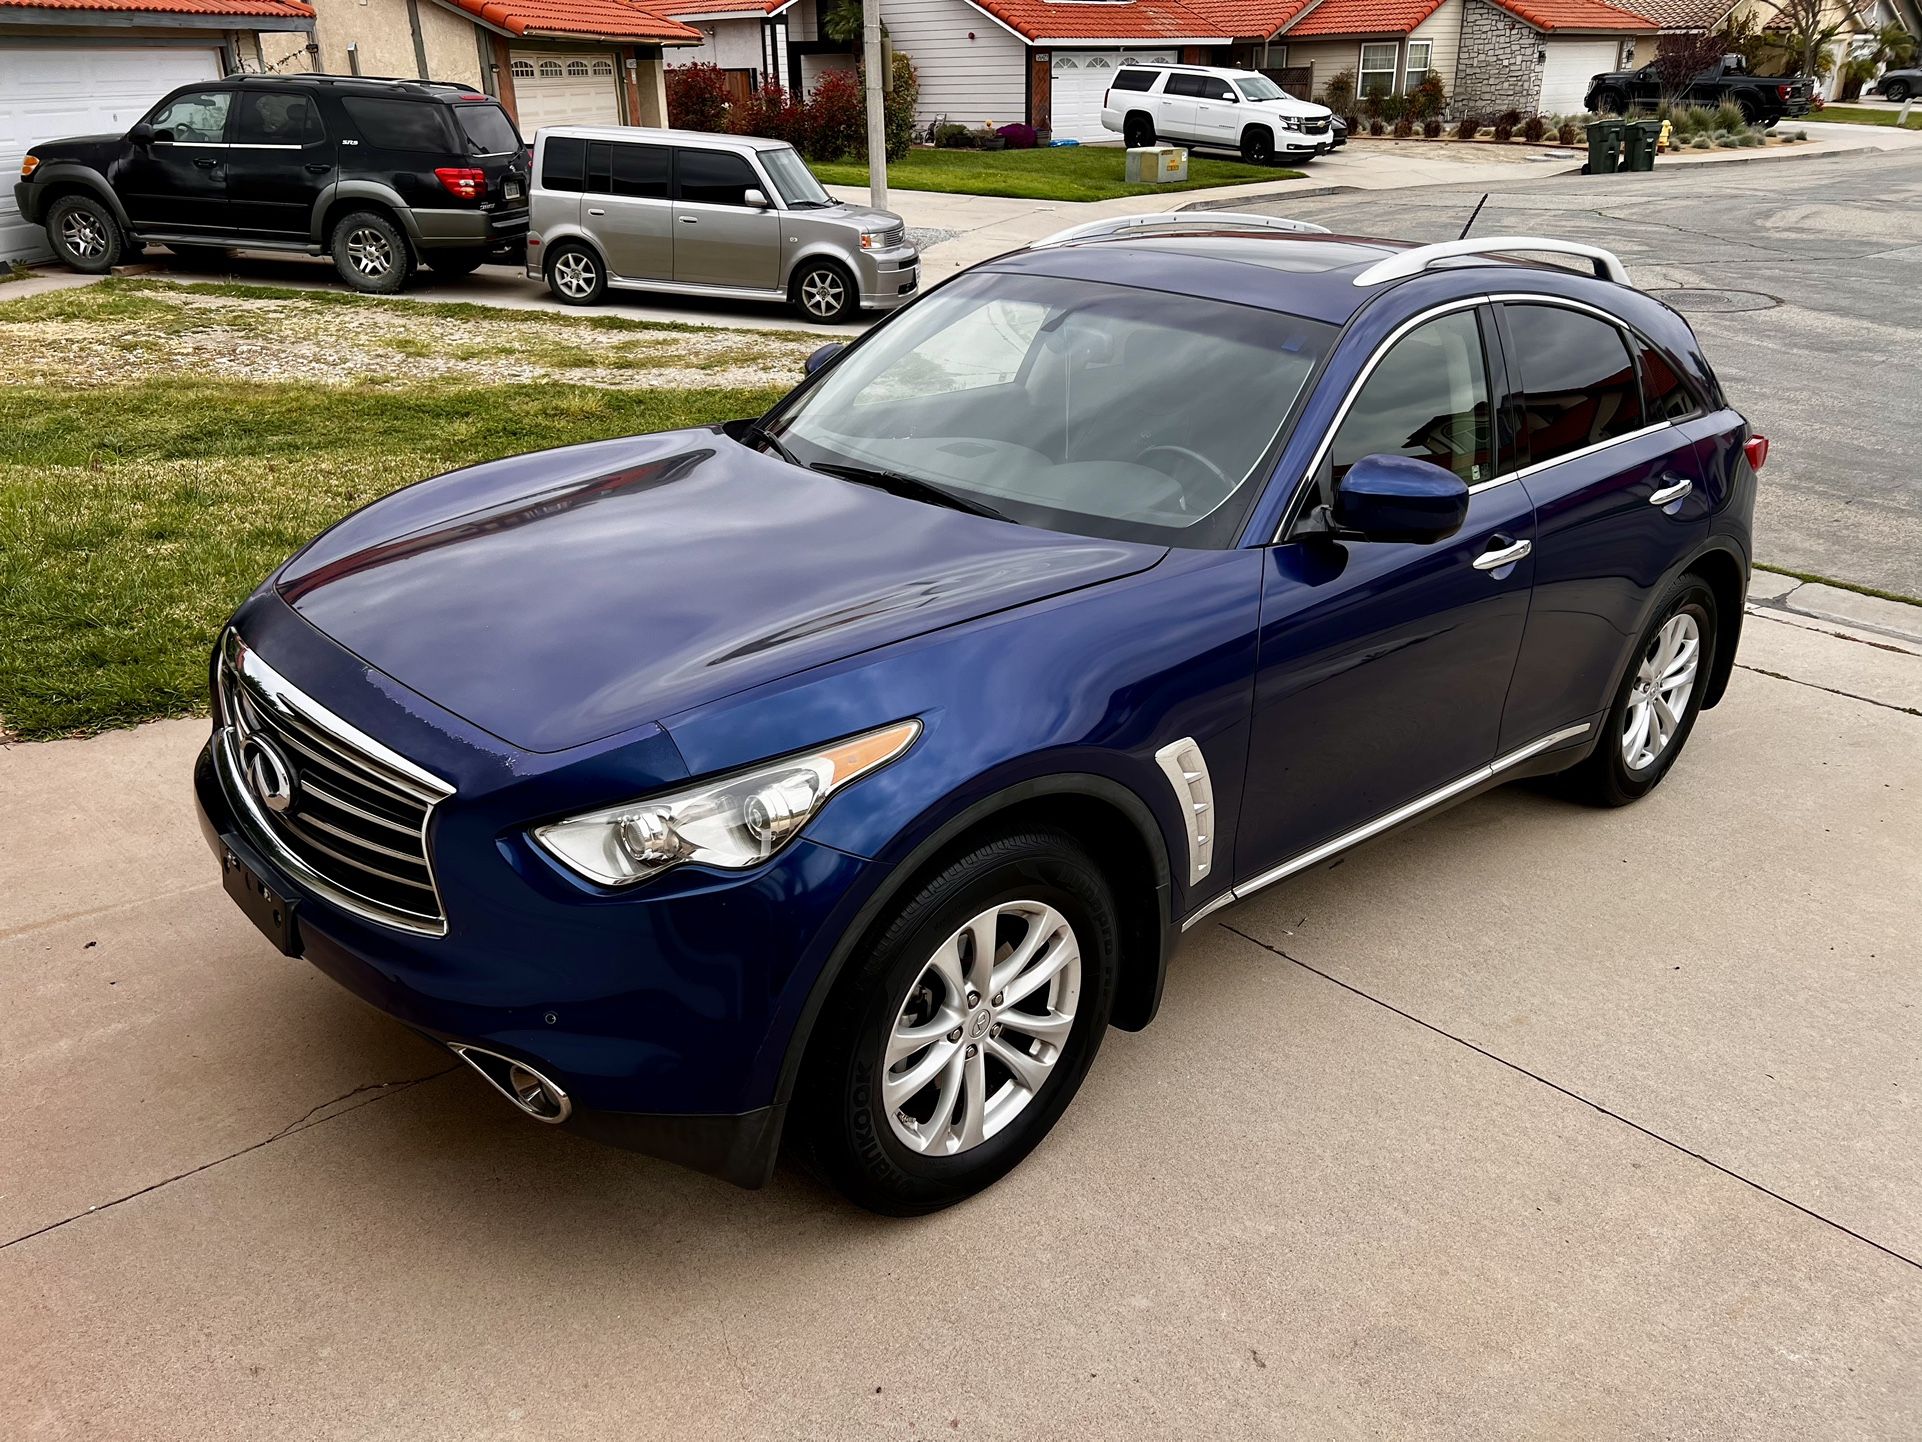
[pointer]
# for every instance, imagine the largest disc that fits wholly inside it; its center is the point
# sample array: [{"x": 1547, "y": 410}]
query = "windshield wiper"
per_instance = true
[
  {"x": 755, "y": 431},
  {"x": 910, "y": 487}
]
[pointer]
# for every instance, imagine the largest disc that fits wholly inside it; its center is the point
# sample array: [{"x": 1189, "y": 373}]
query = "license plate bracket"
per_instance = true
[{"x": 265, "y": 907}]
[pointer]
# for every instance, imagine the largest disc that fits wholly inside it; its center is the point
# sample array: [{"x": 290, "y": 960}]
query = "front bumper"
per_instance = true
[
  {"x": 889, "y": 277},
  {"x": 665, "y": 1012},
  {"x": 26, "y": 198}
]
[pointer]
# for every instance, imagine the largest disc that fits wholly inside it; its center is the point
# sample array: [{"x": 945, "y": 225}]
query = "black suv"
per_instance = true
[{"x": 380, "y": 174}]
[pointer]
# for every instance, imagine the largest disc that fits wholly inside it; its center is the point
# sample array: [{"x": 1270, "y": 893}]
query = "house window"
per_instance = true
[
  {"x": 1419, "y": 53},
  {"x": 1377, "y": 73},
  {"x": 577, "y": 70},
  {"x": 603, "y": 68},
  {"x": 522, "y": 69},
  {"x": 551, "y": 70}
]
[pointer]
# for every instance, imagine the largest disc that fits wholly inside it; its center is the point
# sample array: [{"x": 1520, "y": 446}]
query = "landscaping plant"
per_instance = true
[
  {"x": 1404, "y": 128},
  {"x": 1339, "y": 95},
  {"x": 836, "y": 117},
  {"x": 1431, "y": 128},
  {"x": 696, "y": 97},
  {"x": 1428, "y": 97},
  {"x": 897, "y": 106},
  {"x": 1534, "y": 128},
  {"x": 1468, "y": 127},
  {"x": 770, "y": 112}
]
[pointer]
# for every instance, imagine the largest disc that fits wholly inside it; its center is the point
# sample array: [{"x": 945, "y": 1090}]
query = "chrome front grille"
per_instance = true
[
  {"x": 1316, "y": 127},
  {"x": 341, "y": 812}
]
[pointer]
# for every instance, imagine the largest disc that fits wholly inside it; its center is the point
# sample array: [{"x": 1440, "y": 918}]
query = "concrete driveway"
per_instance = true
[{"x": 1532, "y": 1122}]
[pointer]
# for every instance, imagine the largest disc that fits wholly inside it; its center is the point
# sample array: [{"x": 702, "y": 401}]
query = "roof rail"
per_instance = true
[
  {"x": 313, "y": 77},
  {"x": 1177, "y": 221},
  {"x": 1421, "y": 257}
]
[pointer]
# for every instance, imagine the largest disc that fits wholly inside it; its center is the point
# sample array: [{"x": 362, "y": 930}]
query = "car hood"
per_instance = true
[
  {"x": 560, "y": 597},
  {"x": 866, "y": 217},
  {"x": 88, "y": 149},
  {"x": 1288, "y": 105}
]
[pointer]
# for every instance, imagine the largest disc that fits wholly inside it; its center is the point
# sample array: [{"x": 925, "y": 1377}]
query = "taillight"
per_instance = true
[
  {"x": 1107, "y": 98},
  {"x": 1756, "y": 448},
  {"x": 461, "y": 183},
  {"x": 1784, "y": 91}
]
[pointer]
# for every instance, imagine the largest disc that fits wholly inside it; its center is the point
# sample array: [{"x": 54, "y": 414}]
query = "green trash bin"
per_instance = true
[
  {"x": 1639, "y": 142},
  {"x": 1605, "y": 146}
]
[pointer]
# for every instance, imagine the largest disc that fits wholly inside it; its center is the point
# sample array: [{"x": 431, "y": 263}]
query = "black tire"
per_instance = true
[
  {"x": 843, "y": 1127},
  {"x": 575, "y": 274},
  {"x": 453, "y": 264},
  {"x": 371, "y": 254},
  {"x": 1257, "y": 145},
  {"x": 84, "y": 234},
  {"x": 1606, "y": 778},
  {"x": 1771, "y": 122},
  {"x": 1898, "y": 91},
  {"x": 1137, "y": 130},
  {"x": 822, "y": 290},
  {"x": 1751, "y": 111},
  {"x": 1611, "y": 102}
]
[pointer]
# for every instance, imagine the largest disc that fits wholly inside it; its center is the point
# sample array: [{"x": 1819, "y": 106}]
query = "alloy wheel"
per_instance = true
[
  {"x": 1658, "y": 699},
  {"x": 83, "y": 235},
  {"x": 369, "y": 253},
  {"x": 981, "y": 1028},
  {"x": 823, "y": 293},
  {"x": 574, "y": 275}
]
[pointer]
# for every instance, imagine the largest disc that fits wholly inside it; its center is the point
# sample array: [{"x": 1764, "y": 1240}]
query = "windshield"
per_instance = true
[
  {"x": 487, "y": 128},
  {"x": 1068, "y": 404},
  {"x": 1259, "y": 87},
  {"x": 792, "y": 178}
]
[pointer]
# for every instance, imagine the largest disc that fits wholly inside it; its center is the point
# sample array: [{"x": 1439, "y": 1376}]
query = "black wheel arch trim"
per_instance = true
[
  {"x": 345, "y": 192},
  {"x": 66, "y": 175},
  {"x": 1140, "y": 992},
  {"x": 1728, "y": 620}
]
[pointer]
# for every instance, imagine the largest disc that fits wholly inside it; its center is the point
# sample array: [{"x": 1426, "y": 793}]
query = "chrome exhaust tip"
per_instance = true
[{"x": 542, "y": 1098}]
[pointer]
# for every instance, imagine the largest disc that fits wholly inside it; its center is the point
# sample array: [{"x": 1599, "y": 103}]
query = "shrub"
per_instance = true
[
  {"x": 1701, "y": 142},
  {"x": 1371, "y": 103},
  {"x": 1428, "y": 97},
  {"x": 897, "y": 107},
  {"x": 1800, "y": 135},
  {"x": 1568, "y": 134},
  {"x": 1504, "y": 132},
  {"x": 1748, "y": 138},
  {"x": 1728, "y": 116},
  {"x": 1534, "y": 128},
  {"x": 1510, "y": 118},
  {"x": 1393, "y": 108},
  {"x": 954, "y": 137},
  {"x": 1375, "y": 127},
  {"x": 1353, "y": 122},
  {"x": 1340, "y": 93},
  {"x": 1019, "y": 137},
  {"x": 1404, "y": 128},
  {"x": 1468, "y": 127},
  {"x": 1431, "y": 127},
  {"x": 696, "y": 97},
  {"x": 772, "y": 113},
  {"x": 836, "y": 118}
]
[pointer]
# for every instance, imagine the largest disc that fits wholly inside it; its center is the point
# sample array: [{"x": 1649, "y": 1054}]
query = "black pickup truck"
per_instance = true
[{"x": 1764, "y": 99}]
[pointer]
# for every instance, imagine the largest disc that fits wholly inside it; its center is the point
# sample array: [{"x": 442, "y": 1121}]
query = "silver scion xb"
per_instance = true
[{"x": 698, "y": 214}]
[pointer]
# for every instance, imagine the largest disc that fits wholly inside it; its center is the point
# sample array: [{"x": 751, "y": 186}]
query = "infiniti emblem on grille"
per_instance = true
[{"x": 268, "y": 772}]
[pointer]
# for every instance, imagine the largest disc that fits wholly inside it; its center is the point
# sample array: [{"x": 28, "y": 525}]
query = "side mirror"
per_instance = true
[
  {"x": 141, "y": 135},
  {"x": 821, "y": 355},
  {"x": 754, "y": 199},
  {"x": 1398, "y": 498}
]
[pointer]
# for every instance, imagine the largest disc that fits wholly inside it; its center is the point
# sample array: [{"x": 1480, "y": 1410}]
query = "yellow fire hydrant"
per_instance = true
[{"x": 1661, "y": 144}]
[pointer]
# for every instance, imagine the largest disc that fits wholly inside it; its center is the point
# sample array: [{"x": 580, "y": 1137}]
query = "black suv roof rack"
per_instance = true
[{"x": 310, "y": 78}]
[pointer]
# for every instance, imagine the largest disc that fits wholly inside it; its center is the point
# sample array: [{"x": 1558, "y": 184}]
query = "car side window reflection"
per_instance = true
[
  {"x": 1577, "y": 376},
  {"x": 985, "y": 347},
  {"x": 197, "y": 118},
  {"x": 1428, "y": 399}
]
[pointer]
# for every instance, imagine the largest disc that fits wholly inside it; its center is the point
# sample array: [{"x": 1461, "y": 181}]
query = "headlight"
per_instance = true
[
  {"x": 29, "y": 165},
  {"x": 1289, "y": 122},
  {"x": 733, "y": 822}
]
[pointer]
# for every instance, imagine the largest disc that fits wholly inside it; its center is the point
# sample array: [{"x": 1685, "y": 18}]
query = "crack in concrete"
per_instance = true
[
  {"x": 1521, "y": 1070},
  {"x": 311, "y": 1119},
  {"x": 1816, "y": 686}
]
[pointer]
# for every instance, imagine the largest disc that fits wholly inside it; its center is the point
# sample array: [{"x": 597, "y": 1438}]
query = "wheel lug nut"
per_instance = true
[
  {"x": 973, "y": 1049},
  {"x": 955, "y": 1035},
  {"x": 997, "y": 999},
  {"x": 995, "y": 1030},
  {"x": 974, "y": 998}
]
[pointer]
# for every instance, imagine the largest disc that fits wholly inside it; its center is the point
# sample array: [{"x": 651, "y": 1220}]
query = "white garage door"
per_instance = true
[
  {"x": 1571, "y": 64},
  {"x": 52, "y": 92},
  {"x": 564, "y": 90},
  {"x": 1081, "y": 78}
]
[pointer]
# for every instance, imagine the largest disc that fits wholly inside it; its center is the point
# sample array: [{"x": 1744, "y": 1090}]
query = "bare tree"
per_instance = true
[
  {"x": 1810, "y": 26},
  {"x": 1680, "y": 57}
]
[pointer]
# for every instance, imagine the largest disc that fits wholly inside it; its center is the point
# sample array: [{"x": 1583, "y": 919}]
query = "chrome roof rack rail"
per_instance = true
[
  {"x": 1420, "y": 258},
  {"x": 1178, "y": 220}
]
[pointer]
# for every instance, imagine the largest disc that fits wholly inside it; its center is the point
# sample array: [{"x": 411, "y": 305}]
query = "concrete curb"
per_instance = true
[{"x": 1816, "y": 600}]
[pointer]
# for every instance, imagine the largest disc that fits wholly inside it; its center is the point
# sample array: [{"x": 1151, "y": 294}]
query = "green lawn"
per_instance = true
[
  {"x": 1069, "y": 172},
  {"x": 1858, "y": 115},
  {"x": 138, "y": 511}
]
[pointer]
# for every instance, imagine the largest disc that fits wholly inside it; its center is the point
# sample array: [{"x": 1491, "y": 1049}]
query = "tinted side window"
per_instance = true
[
  {"x": 276, "y": 119},
  {"x": 714, "y": 177},
  {"x": 400, "y": 124},
  {"x": 1133, "y": 79},
  {"x": 1577, "y": 377},
  {"x": 1665, "y": 395},
  {"x": 1184, "y": 84},
  {"x": 641, "y": 171},
  {"x": 1427, "y": 398},
  {"x": 197, "y": 118},
  {"x": 563, "y": 163}
]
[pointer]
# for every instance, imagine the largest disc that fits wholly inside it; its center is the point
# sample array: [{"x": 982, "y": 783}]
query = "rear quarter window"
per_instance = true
[
  {"x": 487, "y": 128},
  {"x": 419, "y": 125},
  {"x": 563, "y": 163},
  {"x": 1134, "y": 79}
]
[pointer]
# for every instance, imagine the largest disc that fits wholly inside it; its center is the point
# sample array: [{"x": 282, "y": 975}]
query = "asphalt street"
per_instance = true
[{"x": 1803, "y": 280}]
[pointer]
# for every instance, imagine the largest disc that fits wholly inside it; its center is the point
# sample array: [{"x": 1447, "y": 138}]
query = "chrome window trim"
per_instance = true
[
  {"x": 1388, "y": 820},
  {"x": 275, "y": 690},
  {"x": 1446, "y": 308}
]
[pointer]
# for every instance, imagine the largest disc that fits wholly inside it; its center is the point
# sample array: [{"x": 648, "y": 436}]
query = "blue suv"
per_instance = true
[{"x": 840, "y": 776}]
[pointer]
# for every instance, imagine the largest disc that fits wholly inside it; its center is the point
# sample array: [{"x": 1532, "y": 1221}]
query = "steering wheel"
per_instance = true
[{"x": 1214, "y": 470}]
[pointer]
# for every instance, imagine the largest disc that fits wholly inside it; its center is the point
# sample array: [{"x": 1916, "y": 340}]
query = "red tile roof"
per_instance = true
[
  {"x": 588, "y": 19},
  {"x": 1362, "y": 17},
  {"x": 1129, "y": 20},
  {"x": 1681, "y": 14},
  {"x": 681, "y": 9},
  {"x": 1576, "y": 15},
  {"x": 278, "y": 9},
  {"x": 1248, "y": 17}
]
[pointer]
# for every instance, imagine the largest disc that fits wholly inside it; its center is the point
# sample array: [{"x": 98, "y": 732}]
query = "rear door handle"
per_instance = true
[
  {"x": 206, "y": 164},
  {"x": 596, "y": 210},
  {"x": 1674, "y": 492},
  {"x": 1505, "y": 555},
  {"x": 690, "y": 219},
  {"x": 319, "y": 168}
]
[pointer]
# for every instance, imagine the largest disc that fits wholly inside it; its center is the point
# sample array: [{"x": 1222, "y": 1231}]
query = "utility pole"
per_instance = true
[{"x": 877, "y": 123}]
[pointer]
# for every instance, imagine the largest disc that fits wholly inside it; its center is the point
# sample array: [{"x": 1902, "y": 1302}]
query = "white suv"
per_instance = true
[{"x": 1229, "y": 109}]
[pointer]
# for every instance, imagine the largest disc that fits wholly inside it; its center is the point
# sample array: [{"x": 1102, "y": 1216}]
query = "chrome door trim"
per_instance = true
[
  {"x": 1671, "y": 493},
  {"x": 1390, "y": 819}
]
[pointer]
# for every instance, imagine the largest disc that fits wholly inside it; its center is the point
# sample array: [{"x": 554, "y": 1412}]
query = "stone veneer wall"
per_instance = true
[{"x": 1496, "y": 69}]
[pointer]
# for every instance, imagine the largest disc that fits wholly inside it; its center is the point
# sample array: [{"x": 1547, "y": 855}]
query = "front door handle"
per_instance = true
[
  {"x": 596, "y": 210},
  {"x": 319, "y": 168},
  {"x": 1678, "y": 487},
  {"x": 1503, "y": 554},
  {"x": 689, "y": 219},
  {"x": 206, "y": 164}
]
